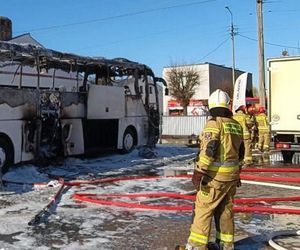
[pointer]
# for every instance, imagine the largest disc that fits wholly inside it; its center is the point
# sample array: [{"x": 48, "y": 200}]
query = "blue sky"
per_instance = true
[{"x": 159, "y": 32}]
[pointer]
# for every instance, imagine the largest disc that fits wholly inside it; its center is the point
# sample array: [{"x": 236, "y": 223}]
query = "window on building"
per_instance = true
[{"x": 141, "y": 89}]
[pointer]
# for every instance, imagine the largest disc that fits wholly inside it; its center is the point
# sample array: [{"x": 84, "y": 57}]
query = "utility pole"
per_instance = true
[
  {"x": 261, "y": 55},
  {"x": 232, "y": 34}
]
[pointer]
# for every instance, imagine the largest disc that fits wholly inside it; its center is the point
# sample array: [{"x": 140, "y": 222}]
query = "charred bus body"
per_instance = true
[{"x": 95, "y": 103}]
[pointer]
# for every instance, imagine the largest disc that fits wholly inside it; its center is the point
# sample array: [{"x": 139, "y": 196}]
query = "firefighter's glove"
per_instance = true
[{"x": 196, "y": 179}]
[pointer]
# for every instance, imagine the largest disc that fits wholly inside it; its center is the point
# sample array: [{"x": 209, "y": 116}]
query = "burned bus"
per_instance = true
[{"x": 60, "y": 104}]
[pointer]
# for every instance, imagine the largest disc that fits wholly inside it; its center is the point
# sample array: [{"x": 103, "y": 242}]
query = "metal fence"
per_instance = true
[{"x": 182, "y": 125}]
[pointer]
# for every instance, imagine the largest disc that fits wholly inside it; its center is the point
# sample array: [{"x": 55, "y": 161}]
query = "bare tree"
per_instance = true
[{"x": 182, "y": 81}]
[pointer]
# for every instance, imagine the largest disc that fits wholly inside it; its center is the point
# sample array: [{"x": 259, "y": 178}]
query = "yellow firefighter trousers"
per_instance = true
[
  {"x": 214, "y": 200},
  {"x": 248, "y": 151},
  {"x": 263, "y": 141}
]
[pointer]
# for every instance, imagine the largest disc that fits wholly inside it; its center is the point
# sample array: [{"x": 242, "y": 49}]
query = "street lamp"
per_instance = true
[{"x": 232, "y": 39}]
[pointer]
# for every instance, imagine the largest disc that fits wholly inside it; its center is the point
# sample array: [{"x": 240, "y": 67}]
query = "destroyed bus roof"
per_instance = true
[{"x": 31, "y": 55}]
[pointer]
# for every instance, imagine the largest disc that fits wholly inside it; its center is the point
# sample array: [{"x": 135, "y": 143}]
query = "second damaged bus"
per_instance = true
[{"x": 58, "y": 104}]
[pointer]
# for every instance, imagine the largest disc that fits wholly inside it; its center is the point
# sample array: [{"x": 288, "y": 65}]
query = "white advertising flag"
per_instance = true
[{"x": 239, "y": 92}]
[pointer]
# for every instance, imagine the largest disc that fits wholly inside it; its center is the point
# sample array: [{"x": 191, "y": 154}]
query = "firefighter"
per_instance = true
[
  {"x": 263, "y": 131},
  {"x": 252, "y": 125},
  {"x": 241, "y": 117},
  {"x": 216, "y": 176}
]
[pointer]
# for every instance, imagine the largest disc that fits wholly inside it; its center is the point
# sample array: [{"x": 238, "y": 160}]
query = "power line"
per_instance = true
[
  {"x": 212, "y": 51},
  {"x": 273, "y": 44},
  {"x": 118, "y": 16},
  {"x": 144, "y": 36},
  {"x": 284, "y": 11}
]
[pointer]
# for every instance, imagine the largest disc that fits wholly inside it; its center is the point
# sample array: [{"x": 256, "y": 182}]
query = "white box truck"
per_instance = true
[{"x": 284, "y": 108}]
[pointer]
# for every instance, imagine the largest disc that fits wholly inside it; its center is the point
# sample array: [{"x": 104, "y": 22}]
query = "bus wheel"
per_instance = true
[
  {"x": 129, "y": 141},
  {"x": 6, "y": 155}
]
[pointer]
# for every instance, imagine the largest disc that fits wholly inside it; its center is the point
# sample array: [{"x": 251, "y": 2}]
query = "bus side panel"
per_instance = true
[
  {"x": 105, "y": 102},
  {"x": 17, "y": 104},
  {"x": 134, "y": 107},
  {"x": 137, "y": 117},
  {"x": 74, "y": 105},
  {"x": 141, "y": 126},
  {"x": 13, "y": 129}
]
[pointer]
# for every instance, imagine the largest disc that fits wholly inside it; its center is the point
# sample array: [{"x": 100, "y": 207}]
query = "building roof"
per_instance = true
[
  {"x": 25, "y": 38},
  {"x": 199, "y": 64}
]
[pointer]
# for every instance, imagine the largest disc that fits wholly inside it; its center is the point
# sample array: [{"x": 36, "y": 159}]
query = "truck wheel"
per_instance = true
[
  {"x": 287, "y": 156},
  {"x": 6, "y": 155},
  {"x": 129, "y": 141}
]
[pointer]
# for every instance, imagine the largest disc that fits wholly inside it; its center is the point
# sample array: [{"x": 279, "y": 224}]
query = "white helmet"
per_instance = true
[{"x": 218, "y": 99}]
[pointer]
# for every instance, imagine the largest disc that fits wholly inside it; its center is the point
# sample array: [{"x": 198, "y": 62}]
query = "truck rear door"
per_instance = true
[{"x": 284, "y": 94}]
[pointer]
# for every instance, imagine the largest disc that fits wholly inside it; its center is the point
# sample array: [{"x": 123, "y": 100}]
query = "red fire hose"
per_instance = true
[
  {"x": 100, "y": 199},
  {"x": 103, "y": 198},
  {"x": 95, "y": 198},
  {"x": 270, "y": 178},
  {"x": 106, "y": 199},
  {"x": 37, "y": 218},
  {"x": 272, "y": 170}
]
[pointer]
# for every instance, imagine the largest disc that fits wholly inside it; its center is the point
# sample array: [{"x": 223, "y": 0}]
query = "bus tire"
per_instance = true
[
  {"x": 129, "y": 141},
  {"x": 6, "y": 155}
]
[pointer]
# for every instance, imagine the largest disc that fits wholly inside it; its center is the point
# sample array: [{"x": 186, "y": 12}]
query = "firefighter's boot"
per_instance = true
[
  {"x": 213, "y": 246},
  {"x": 190, "y": 247},
  {"x": 226, "y": 246}
]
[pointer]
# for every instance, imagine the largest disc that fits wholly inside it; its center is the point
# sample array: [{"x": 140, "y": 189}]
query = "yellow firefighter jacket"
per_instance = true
[
  {"x": 250, "y": 122},
  {"x": 242, "y": 119},
  {"x": 263, "y": 124},
  {"x": 221, "y": 149}
]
